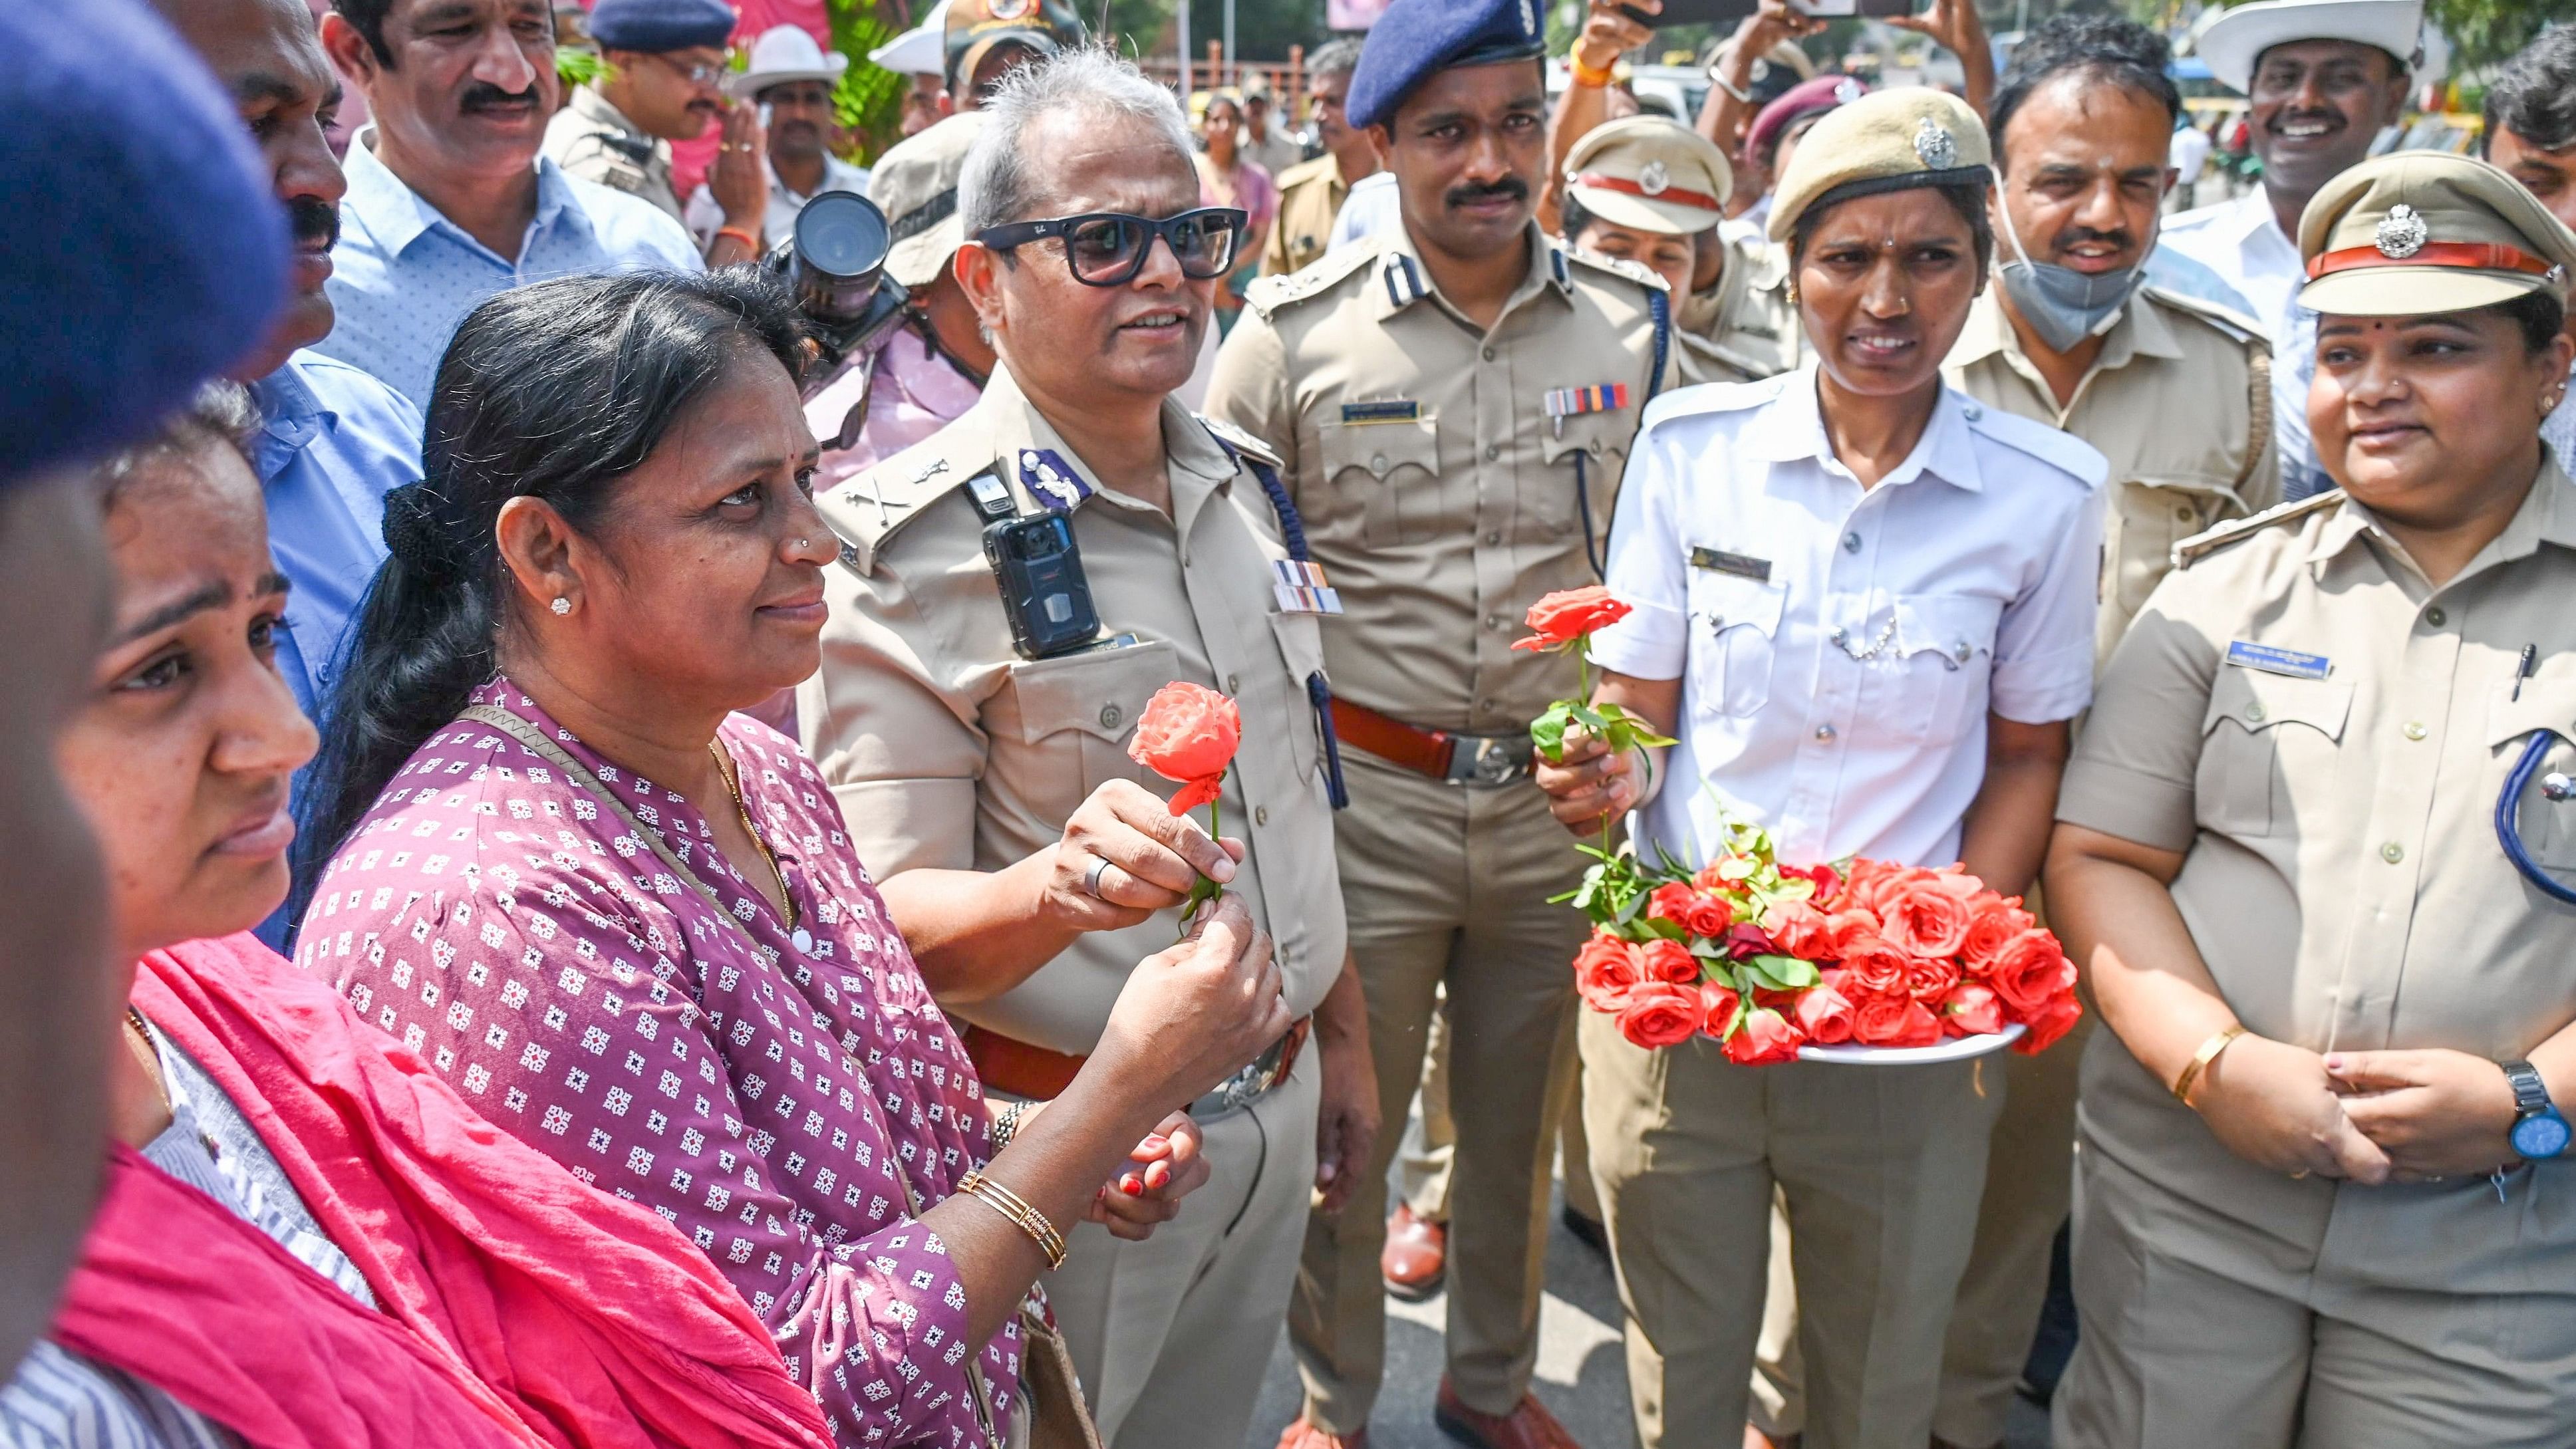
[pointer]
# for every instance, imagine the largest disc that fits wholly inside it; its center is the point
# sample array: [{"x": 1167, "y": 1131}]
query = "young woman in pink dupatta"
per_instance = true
[
  {"x": 306, "y": 1238},
  {"x": 627, "y": 922}
]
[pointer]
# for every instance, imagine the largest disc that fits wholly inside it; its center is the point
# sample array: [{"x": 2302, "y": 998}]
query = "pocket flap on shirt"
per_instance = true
[
  {"x": 2258, "y": 701},
  {"x": 2546, "y": 704},
  {"x": 1958, "y": 627},
  {"x": 1603, "y": 437},
  {"x": 1099, "y": 694},
  {"x": 1378, "y": 449},
  {"x": 1728, "y": 600}
]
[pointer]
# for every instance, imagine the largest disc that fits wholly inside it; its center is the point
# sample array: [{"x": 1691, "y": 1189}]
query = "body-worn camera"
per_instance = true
[
  {"x": 835, "y": 261},
  {"x": 1037, "y": 564}
]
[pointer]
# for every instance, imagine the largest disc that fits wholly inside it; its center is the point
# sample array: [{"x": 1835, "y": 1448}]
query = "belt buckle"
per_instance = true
[
  {"x": 1253, "y": 1082},
  {"x": 1485, "y": 760}
]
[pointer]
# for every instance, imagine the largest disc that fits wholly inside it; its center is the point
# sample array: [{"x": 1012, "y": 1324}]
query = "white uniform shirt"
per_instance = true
[
  {"x": 2243, "y": 250},
  {"x": 1374, "y": 207},
  {"x": 1758, "y": 567}
]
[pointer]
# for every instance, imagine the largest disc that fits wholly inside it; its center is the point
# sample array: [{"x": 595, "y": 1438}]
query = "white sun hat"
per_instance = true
[
  {"x": 2235, "y": 41},
  {"x": 922, "y": 50},
  {"x": 785, "y": 53}
]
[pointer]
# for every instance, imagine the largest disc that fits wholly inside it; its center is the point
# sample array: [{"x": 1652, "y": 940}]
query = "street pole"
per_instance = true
[
  {"x": 1185, "y": 53},
  {"x": 1232, "y": 58}
]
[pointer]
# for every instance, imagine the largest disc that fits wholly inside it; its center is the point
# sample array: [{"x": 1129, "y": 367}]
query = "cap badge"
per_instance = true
[
  {"x": 1846, "y": 91},
  {"x": 1934, "y": 143},
  {"x": 1653, "y": 178},
  {"x": 1008, "y": 9},
  {"x": 2402, "y": 233}
]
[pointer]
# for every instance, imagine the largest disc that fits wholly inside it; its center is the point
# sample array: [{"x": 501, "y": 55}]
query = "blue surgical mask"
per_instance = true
[{"x": 2065, "y": 306}]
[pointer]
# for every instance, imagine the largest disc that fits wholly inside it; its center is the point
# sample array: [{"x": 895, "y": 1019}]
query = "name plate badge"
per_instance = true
[
  {"x": 2245, "y": 654},
  {"x": 1389, "y": 410},
  {"x": 1300, "y": 588},
  {"x": 1743, "y": 566}
]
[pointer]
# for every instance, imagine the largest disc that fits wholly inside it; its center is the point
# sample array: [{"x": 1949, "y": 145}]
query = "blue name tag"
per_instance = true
[{"x": 2291, "y": 662}]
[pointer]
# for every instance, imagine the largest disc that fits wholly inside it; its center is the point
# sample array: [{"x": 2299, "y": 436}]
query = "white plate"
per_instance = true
[{"x": 1956, "y": 1049}]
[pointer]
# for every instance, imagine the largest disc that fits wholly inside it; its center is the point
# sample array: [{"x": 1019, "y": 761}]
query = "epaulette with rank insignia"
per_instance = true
[
  {"x": 2200, "y": 545},
  {"x": 2226, "y": 319},
  {"x": 1237, "y": 440},
  {"x": 2063, "y": 451},
  {"x": 870, "y": 508},
  {"x": 1268, "y": 294},
  {"x": 1635, "y": 272}
]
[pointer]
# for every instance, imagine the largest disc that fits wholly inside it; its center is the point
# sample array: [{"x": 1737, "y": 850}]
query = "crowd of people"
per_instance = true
[{"x": 588, "y": 869}]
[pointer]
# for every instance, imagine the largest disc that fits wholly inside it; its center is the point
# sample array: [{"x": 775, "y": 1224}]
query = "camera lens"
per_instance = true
[{"x": 841, "y": 234}]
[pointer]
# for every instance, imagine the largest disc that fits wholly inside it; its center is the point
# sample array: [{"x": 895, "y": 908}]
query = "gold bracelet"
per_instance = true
[
  {"x": 1026, "y": 1218},
  {"x": 1585, "y": 76},
  {"x": 2201, "y": 1059}
]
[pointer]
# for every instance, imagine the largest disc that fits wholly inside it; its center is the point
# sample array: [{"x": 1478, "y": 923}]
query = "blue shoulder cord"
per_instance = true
[
  {"x": 2507, "y": 812},
  {"x": 1660, "y": 308},
  {"x": 1292, "y": 530}
]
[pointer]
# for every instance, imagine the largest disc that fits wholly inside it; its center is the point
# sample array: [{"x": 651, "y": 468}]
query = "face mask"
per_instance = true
[{"x": 2065, "y": 306}]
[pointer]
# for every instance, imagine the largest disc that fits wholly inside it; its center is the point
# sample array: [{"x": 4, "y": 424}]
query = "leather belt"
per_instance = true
[
  {"x": 1020, "y": 1069},
  {"x": 1453, "y": 759}
]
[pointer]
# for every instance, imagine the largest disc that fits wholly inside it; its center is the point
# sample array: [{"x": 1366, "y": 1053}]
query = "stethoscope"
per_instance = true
[{"x": 2508, "y": 823}]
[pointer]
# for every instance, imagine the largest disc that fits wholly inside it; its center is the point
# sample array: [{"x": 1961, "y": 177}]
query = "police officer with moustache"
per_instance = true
[
  {"x": 665, "y": 60},
  {"x": 1453, "y": 401},
  {"x": 2317, "y": 854},
  {"x": 973, "y": 714},
  {"x": 1311, "y": 192}
]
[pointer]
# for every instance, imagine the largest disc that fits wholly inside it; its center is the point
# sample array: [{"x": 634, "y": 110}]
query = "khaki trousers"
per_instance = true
[
  {"x": 2030, "y": 1180},
  {"x": 1172, "y": 1335},
  {"x": 1449, "y": 887},
  {"x": 1879, "y": 1168},
  {"x": 1422, "y": 1169},
  {"x": 2261, "y": 1342}
]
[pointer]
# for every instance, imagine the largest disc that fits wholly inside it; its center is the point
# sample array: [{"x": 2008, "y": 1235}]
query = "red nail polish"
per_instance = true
[{"x": 1131, "y": 1187}]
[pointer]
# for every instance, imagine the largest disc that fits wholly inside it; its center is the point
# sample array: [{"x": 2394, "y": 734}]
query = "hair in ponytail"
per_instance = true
[{"x": 553, "y": 391}]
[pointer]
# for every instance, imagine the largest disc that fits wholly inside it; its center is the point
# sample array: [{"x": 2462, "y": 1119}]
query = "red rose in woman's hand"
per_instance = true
[
  {"x": 1929, "y": 978},
  {"x": 1605, "y": 971},
  {"x": 1717, "y": 1007},
  {"x": 1993, "y": 920},
  {"x": 1188, "y": 733},
  {"x": 1919, "y": 915},
  {"x": 1569, "y": 614},
  {"x": 1660, "y": 1014},
  {"x": 1894, "y": 1021},
  {"x": 1873, "y": 968},
  {"x": 1799, "y": 930},
  {"x": 1767, "y": 1037},
  {"x": 2050, "y": 1022},
  {"x": 1972, "y": 1010},
  {"x": 1665, "y": 959},
  {"x": 1824, "y": 1013},
  {"x": 2029, "y": 970}
]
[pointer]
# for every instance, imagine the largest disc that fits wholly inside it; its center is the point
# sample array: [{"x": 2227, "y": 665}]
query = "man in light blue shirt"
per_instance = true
[{"x": 448, "y": 198}]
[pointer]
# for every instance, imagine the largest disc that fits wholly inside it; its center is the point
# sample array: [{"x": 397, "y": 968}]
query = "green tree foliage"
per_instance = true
[
  {"x": 2487, "y": 32},
  {"x": 869, "y": 99}
]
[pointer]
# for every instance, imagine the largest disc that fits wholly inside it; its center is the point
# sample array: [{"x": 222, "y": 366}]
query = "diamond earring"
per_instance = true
[{"x": 561, "y": 606}]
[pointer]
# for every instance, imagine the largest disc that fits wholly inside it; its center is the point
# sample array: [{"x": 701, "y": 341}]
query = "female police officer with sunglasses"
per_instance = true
[{"x": 2320, "y": 1200}]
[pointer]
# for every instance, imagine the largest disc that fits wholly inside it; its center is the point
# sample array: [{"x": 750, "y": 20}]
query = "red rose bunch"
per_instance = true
[
  {"x": 1188, "y": 734},
  {"x": 1768, "y": 958}
]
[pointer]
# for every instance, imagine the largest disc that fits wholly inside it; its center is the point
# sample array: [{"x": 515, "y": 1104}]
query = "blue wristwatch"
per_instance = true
[{"x": 2539, "y": 1132}]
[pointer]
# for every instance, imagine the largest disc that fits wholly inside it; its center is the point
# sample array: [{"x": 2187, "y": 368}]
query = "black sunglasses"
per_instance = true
[{"x": 1108, "y": 248}]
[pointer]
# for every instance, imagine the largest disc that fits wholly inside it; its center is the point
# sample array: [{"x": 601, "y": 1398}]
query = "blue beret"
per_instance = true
[
  {"x": 658, "y": 25},
  {"x": 145, "y": 248},
  {"x": 1416, "y": 37}
]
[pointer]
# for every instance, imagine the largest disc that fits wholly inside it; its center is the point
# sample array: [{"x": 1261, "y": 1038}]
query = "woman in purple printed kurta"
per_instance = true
[
  {"x": 512, "y": 931},
  {"x": 625, "y": 921}
]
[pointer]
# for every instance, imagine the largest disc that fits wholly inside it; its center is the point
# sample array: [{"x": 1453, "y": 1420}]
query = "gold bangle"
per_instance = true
[
  {"x": 1016, "y": 1208},
  {"x": 2200, "y": 1061},
  {"x": 1585, "y": 76}
]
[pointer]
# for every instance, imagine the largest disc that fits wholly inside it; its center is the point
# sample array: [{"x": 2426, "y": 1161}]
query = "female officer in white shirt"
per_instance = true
[{"x": 1864, "y": 604}]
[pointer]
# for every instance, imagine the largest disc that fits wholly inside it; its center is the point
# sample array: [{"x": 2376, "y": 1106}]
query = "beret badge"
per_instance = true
[
  {"x": 1933, "y": 143},
  {"x": 2402, "y": 233},
  {"x": 1653, "y": 177}
]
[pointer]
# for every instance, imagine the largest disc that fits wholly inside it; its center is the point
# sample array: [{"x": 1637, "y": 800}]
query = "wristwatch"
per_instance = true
[{"x": 2539, "y": 1132}]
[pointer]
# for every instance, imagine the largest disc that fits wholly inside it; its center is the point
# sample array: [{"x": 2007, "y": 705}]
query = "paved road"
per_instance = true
[{"x": 1582, "y": 1373}]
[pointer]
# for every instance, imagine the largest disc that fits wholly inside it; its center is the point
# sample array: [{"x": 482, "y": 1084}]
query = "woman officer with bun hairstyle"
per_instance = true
[{"x": 2315, "y": 854}]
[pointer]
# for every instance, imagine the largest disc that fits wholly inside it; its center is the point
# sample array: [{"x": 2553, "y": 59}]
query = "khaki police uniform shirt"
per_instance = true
[
  {"x": 949, "y": 751},
  {"x": 1310, "y": 196},
  {"x": 2178, "y": 400},
  {"x": 1439, "y": 495},
  {"x": 1745, "y": 328},
  {"x": 2342, "y": 876},
  {"x": 593, "y": 140}
]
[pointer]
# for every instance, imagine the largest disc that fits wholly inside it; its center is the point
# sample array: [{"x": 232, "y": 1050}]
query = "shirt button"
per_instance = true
[
  {"x": 1596, "y": 447},
  {"x": 1486, "y": 705},
  {"x": 1494, "y": 539},
  {"x": 1494, "y": 621},
  {"x": 1971, "y": 411},
  {"x": 2435, "y": 617},
  {"x": 1825, "y": 733},
  {"x": 1260, "y": 814},
  {"x": 1110, "y": 715},
  {"x": 2392, "y": 852},
  {"x": 2414, "y": 731},
  {"x": 1377, "y": 464},
  {"x": 2184, "y": 513},
  {"x": 2254, "y": 713},
  {"x": 1493, "y": 451},
  {"x": 1231, "y": 684},
  {"x": 1839, "y": 636},
  {"x": 1851, "y": 543},
  {"x": 1489, "y": 354}
]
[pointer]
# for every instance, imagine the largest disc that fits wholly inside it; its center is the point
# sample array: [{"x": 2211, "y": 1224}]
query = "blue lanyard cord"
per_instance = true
[
  {"x": 1292, "y": 531},
  {"x": 2508, "y": 816}
]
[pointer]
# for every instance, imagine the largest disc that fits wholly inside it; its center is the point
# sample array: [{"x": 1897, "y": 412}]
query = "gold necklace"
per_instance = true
[
  {"x": 725, "y": 767},
  {"x": 138, "y": 1039}
]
